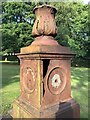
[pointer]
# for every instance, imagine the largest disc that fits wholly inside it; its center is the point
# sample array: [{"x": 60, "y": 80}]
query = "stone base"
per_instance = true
[{"x": 68, "y": 109}]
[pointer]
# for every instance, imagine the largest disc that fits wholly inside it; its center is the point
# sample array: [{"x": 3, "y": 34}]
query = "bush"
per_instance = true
[
  {"x": 80, "y": 62},
  {"x": 9, "y": 58}
]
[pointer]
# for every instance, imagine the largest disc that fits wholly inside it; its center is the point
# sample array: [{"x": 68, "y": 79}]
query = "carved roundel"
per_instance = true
[
  {"x": 56, "y": 81},
  {"x": 29, "y": 80}
]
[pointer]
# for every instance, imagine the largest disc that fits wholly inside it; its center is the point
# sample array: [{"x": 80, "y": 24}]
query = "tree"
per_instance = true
[
  {"x": 72, "y": 22},
  {"x": 17, "y": 22}
]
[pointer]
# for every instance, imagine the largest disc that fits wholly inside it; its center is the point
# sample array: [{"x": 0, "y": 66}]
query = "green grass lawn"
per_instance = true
[
  {"x": 10, "y": 87},
  {"x": 80, "y": 89}
]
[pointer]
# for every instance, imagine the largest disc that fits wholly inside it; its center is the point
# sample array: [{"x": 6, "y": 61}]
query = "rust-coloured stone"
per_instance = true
[
  {"x": 39, "y": 72},
  {"x": 45, "y": 22},
  {"x": 45, "y": 76},
  {"x": 44, "y": 40}
]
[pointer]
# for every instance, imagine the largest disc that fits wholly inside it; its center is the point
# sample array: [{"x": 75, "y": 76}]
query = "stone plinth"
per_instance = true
[
  {"x": 69, "y": 109},
  {"x": 40, "y": 66}
]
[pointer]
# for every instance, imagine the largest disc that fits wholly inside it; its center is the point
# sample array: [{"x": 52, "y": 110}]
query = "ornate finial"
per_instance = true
[{"x": 45, "y": 21}]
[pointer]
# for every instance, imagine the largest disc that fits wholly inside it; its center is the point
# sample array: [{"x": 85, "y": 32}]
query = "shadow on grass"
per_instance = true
[
  {"x": 80, "y": 89},
  {"x": 10, "y": 85},
  {"x": 10, "y": 74},
  {"x": 79, "y": 77}
]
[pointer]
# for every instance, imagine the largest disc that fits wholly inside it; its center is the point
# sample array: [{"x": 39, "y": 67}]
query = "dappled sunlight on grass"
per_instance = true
[
  {"x": 10, "y": 86},
  {"x": 80, "y": 89},
  {"x": 16, "y": 76},
  {"x": 9, "y": 94},
  {"x": 10, "y": 74}
]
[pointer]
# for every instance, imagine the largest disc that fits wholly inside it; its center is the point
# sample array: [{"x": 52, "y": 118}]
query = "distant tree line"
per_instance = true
[{"x": 72, "y": 22}]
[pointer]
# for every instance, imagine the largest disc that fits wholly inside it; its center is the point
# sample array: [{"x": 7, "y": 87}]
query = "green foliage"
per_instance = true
[
  {"x": 72, "y": 22},
  {"x": 17, "y": 22}
]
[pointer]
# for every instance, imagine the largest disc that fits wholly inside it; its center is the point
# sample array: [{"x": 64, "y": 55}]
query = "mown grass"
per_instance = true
[
  {"x": 80, "y": 89},
  {"x": 11, "y": 88},
  {"x": 10, "y": 85}
]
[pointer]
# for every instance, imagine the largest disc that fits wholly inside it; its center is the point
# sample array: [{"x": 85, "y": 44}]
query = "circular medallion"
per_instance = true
[
  {"x": 29, "y": 80},
  {"x": 56, "y": 80}
]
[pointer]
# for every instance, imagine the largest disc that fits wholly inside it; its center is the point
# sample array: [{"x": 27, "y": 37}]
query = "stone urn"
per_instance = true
[{"x": 45, "y": 21}]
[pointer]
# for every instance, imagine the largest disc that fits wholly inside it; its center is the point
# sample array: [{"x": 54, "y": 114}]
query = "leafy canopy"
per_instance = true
[{"x": 72, "y": 22}]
